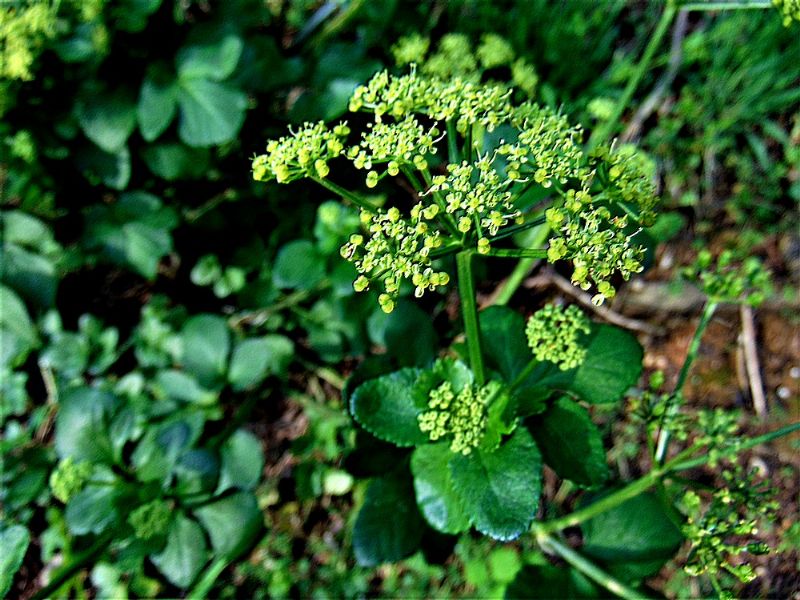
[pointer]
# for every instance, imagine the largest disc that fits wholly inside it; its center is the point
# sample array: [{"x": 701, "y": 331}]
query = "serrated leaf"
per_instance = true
[
  {"x": 634, "y": 538},
  {"x": 232, "y": 523},
  {"x": 570, "y": 443},
  {"x": 14, "y": 541},
  {"x": 388, "y": 527},
  {"x": 157, "y": 105},
  {"x": 500, "y": 490},
  {"x": 206, "y": 344},
  {"x": 242, "y": 461},
  {"x": 214, "y": 61},
  {"x": 386, "y": 407},
  {"x": 211, "y": 113},
  {"x": 185, "y": 553},
  {"x": 436, "y": 498}
]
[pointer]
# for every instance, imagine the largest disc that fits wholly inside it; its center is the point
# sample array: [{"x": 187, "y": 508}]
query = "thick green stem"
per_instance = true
[
  {"x": 344, "y": 193},
  {"x": 534, "y": 253},
  {"x": 602, "y": 133},
  {"x": 207, "y": 580},
  {"x": 79, "y": 561},
  {"x": 673, "y": 404},
  {"x": 469, "y": 310},
  {"x": 592, "y": 571}
]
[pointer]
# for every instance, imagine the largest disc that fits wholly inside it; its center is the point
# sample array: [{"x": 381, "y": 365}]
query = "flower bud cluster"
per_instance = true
[
  {"x": 730, "y": 280},
  {"x": 554, "y": 335},
  {"x": 733, "y": 513},
  {"x": 453, "y": 58},
  {"x": 410, "y": 49},
  {"x": 395, "y": 144},
  {"x": 630, "y": 181},
  {"x": 547, "y": 148},
  {"x": 460, "y": 414},
  {"x": 304, "y": 153},
  {"x": 69, "y": 478},
  {"x": 477, "y": 198},
  {"x": 789, "y": 9},
  {"x": 597, "y": 243},
  {"x": 396, "y": 249},
  {"x": 150, "y": 520},
  {"x": 23, "y": 29}
]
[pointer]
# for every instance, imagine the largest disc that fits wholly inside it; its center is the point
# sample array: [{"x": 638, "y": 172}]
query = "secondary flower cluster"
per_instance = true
[
  {"x": 68, "y": 478},
  {"x": 23, "y": 30},
  {"x": 730, "y": 280},
  {"x": 790, "y": 10},
  {"x": 733, "y": 512},
  {"x": 151, "y": 519},
  {"x": 397, "y": 249},
  {"x": 554, "y": 335},
  {"x": 304, "y": 153},
  {"x": 461, "y": 415}
]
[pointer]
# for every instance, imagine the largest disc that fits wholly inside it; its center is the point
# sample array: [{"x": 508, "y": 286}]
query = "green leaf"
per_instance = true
[
  {"x": 407, "y": 333},
  {"x": 158, "y": 103},
  {"x": 388, "y": 527},
  {"x": 185, "y": 553},
  {"x": 255, "y": 358},
  {"x": 107, "y": 119},
  {"x": 93, "y": 509},
  {"x": 112, "y": 169},
  {"x": 33, "y": 276},
  {"x": 503, "y": 338},
  {"x": 634, "y": 539},
  {"x": 232, "y": 523},
  {"x": 570, "y": 443},
  {"x": 132, "y": 15},
  {"x": 206, "y": 344},
  {"x": 17, "y": 332},
  {"x": 242, "y": 462},
  {"x": 14, "y": 541},
  {"x": 386, "y": 407},
  {"x": 545, "y": 582},
  {"x": 500, "y": 490},
  {"x": 211, "y": 113},
  {"x": 298, "y": 266},
  {"x": 180, "y": 386},
  {"x": 82, "y": 425},
  {"x": 196, "y": 473},
  {"x": 161, "y": 446},
  {"x": 215, "y": 60},
  {"x": 176, "y": 161},
  {"x": 436, "y": 498}
]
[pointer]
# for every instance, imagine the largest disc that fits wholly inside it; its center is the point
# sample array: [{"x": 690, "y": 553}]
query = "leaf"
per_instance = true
[
  {"x": 112, "y": 169},
  {"x": 299, "y": 266},
  {"x": 180, "y": 386},
  {"x": 215, "y": 60},
  {"x": 93, "y": 509},
  {"x": 570, "y": 443},
  {"x": 17, "y": 332},
  {"x": 387, "y": 409},
  {"x": 232, "y": 523},
  {"x": 206, "y": 344},
  {"x": 634, "y": 538},
  {"x": 503, "y": 340},
  {"x": 211, "y": 113},
  {"x": 253, "y": 359},
  {"x": 176, "y": 161},
  {"x": 14, "y": 541},
  {"x": 500, "y": 490},
  {"x": 196, "y": 473},
  {"x": 407, "y": 333},
  {"x": 185, "y": 553},
  {"x": 160, "y": 447},
  {"x": 545, "y": 582},
  {"x": 82, "y": 425},
  {"x": 436, "y": 498},
  {"x": 33, "y": 276},
  {"x": 157, "y": 105},
  {"x": 388, "y": 527},
  {"x": 107, "y": 119},
  {"x": 242, "y": 462}
]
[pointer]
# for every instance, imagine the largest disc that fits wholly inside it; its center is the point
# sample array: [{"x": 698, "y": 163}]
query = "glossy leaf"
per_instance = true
[
  {"x": 185, "y": 553},
  {"x": 206, "y": 344},
  {"x": 211, "y": 113},
  {"x": 242, "y": 461},
  {"x": 437, "y": 500},
  {"x": 232, "y": 523},
  {"x": 14, "y": 541}
]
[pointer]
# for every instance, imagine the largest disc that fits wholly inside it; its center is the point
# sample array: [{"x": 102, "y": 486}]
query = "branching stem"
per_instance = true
[
  {"x": 344, "y": 193},
  {"x": 469, "y": 310}
]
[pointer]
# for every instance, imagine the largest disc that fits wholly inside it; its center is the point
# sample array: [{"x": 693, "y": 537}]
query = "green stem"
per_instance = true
[
  {"x": 517, "y": 253},
  {"x": 601, "y": 133},
  {"x": 209, "y": 577},
  {"x": 509, "y": 231},
  {"x": 469, "y": 309},
  {"x": 513, "y": 281},
  {"x": 79, "y": 561},
  {"x": 448, "y": 219},
  {"x": 588, "y": 568},
  {"x": 614, "y": 499},
  {"x": 452, "y": 143},
  {"x": 673, "y": 404},
  {"x": 740, "y": 5},
  {"x": 344, "y": 193}
]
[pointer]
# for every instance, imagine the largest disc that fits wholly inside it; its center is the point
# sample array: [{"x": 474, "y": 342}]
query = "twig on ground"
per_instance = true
[
  {"x": 584, "y": 299},
  {"x": 751, "y": 361}
]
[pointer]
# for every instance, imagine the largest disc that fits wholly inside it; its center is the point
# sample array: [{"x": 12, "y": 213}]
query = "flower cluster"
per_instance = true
[
  {"x": 476, "y": 198},
  {"x": 461, "y": 414},
  {"x": 630, "y": 175},
  {"x": 554, "y": 335},
  {"x": 410, "y": 49},
  {"x": 69, "y": 478},
  {"x": 732, "y": 512},
  {"x": 397, "y": 249},
  {"x": 150, "y": 520},
  {"x": 730, "y": 280},
  {"x": 22, "y": 33},
  {"x": 396, "y": 144},
  {"x": 453, "y": 58},
  {"x": 789, "y": 9},
  {"x": 305, "y": 153}
]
